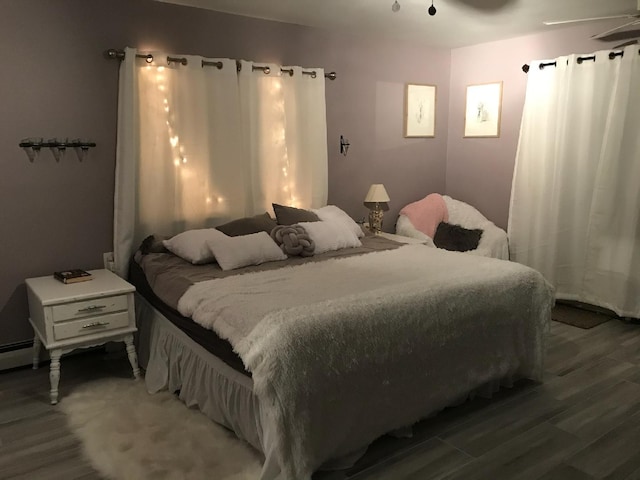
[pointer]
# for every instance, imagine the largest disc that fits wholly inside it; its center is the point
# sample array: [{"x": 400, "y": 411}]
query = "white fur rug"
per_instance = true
[{"x": 128, "y": 434}]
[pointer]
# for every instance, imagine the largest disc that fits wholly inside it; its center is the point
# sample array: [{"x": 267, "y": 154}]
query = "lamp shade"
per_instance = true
[{"x": 377, "y": 194}]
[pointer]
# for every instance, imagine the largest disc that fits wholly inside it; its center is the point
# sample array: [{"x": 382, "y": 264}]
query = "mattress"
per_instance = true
[{"x": 208, "y": 339}]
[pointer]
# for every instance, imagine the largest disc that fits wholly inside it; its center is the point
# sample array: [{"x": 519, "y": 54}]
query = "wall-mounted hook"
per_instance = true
[
  {"x": 344, "y": 145},
  {"x": 82, "y": 148},
  {"x": 58, "y": 148},
  {"x": 32, "y": 147}
]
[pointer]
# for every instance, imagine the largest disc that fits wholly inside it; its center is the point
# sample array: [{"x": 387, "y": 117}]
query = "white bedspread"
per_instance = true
[{"x": 345, "y": 350}]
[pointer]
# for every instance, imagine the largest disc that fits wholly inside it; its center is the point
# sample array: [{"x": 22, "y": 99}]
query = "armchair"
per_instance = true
[{"x": 433, "y": 209}]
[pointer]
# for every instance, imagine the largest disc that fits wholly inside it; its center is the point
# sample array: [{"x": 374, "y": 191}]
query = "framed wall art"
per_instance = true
[
  {"x": 419, "y": 110},
  {"x": 482, "y": 110}
]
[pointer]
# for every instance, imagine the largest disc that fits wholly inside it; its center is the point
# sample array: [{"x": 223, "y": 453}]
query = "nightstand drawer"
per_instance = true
[
  {"x": 88, "y": 326},
  {"x": 96, "y": 306}
]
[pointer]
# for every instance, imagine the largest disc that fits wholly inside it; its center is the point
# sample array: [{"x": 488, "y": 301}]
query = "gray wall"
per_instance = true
[
  {"x": 480, "y": 170},
  {"x": 55, "y": 83}
]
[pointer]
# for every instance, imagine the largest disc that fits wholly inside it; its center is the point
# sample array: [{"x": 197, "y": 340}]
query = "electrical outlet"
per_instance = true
[{"x": 108, "y": 260}]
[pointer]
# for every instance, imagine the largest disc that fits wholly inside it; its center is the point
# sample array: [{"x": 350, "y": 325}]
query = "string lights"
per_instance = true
[
  {"x": 280, "y": 139},
  {"x": 178, "y": 156}
]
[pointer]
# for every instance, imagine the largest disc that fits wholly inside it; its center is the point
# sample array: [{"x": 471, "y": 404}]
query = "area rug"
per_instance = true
[
  {"x": 578, "y": 317},
  {"x": 128, "y": 434}
]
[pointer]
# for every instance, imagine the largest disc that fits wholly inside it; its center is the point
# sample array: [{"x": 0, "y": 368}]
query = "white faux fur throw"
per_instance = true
[{"x": 346, "y": 350}]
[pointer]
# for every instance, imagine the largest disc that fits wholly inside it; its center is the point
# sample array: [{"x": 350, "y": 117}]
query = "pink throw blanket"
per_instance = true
[{"x": 426, "y": 214}]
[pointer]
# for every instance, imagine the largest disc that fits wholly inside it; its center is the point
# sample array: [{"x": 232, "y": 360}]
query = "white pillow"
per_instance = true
[
  {"x": 192, "y": 245},
  {"x": 331, "y": 235},
  {"x": 237, "y": 252},
  {"x": 331, "y": 212}
]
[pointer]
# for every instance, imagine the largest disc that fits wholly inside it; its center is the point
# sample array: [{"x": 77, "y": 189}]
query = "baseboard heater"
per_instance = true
[{"x": 18, "y": 354}]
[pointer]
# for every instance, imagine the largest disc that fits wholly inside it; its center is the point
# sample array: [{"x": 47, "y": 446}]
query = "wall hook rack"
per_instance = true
[{"x": 33, "y": 147}]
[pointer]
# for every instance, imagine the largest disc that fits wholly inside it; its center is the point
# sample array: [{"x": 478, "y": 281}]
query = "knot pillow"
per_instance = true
[{"x": 293, "y": 240}]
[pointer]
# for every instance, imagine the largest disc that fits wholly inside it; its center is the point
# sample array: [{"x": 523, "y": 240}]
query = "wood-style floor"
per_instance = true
[{"x": 582, "y": 423}]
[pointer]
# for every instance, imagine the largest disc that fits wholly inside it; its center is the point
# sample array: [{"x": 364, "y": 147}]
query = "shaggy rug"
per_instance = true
[{"x": 128, "y": 434}]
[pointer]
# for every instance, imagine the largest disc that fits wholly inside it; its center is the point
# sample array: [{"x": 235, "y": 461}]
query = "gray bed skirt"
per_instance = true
[{"x": 175, "y": 362}]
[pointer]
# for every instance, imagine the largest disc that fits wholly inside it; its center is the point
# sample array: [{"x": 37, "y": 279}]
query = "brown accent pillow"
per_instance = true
[
  {"x": 290, "y": 215},
  {"x": 248, "y": 225},
  {"x": 456, "y": 238},
  {"x": 153, "y": 244}
]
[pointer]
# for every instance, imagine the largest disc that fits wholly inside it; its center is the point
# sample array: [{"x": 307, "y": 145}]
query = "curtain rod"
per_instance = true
[
  {"x": 579, "y": 60},
  {"x": 113, "y": 53}
]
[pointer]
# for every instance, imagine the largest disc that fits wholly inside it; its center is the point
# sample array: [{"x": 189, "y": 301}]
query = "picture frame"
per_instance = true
[
  {"x": 419, "y": 110},
  {"x": 483, "y": 109}
]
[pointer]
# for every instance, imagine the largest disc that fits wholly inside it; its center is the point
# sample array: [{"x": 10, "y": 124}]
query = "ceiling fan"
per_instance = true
[{"x": 634, "y": 17}]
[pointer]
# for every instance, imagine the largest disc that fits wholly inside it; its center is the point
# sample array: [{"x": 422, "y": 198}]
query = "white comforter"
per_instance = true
[{"x": 345, "y": 350}]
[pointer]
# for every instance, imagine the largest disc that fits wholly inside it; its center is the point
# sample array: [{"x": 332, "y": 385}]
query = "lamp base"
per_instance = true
[{"x": 375, "y": 220}]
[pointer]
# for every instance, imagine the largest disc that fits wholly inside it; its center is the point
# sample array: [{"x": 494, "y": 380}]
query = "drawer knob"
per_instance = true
[
  {"x": 95, "y": 324},
  {"x": 92, "y": 308}
]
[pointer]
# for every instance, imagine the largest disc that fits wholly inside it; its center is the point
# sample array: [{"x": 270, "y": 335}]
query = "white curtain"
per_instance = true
[
  {"x": 575, "y": 200},
  {"x": 285, "y": 134},
  {"x": 199, "y": 145}
]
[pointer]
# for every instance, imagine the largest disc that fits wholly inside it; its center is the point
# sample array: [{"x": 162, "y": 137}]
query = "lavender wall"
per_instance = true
[
  {"x": 480, "y": 170},
  {"x": 55, "y": 83}
]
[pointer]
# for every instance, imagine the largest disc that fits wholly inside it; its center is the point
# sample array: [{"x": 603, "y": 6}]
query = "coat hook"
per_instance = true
[
  {"x": 344, "y": 145},
  {"x": 82, "y": 147},
  {"x": 32, "y": 147},
  {"x": 58, "y": 148}
]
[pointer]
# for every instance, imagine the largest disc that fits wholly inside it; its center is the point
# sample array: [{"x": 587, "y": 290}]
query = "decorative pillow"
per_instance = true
[
  {"x": 293, "y": 240},
  {"x": 331, "y": 212},
  {"x": 237, "y": 252},
  {"x": 290, "y": 215},
  {"x": 456, "y": 238},
  {"x": 426, "y": 214},
  {"x": 331, "y": 235},
  {"x": 192, "y": 245},
  {"x": 248, "y": 225}
]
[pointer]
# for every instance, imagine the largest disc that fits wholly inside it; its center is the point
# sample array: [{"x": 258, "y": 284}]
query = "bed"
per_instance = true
[{"x": 310, "y": 360}]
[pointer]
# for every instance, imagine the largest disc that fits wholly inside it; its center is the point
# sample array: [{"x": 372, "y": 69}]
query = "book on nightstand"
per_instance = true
[{"x": 72, "y": 276}]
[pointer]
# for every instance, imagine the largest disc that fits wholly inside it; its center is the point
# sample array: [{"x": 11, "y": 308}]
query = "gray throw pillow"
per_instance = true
[
  {"x": 291, "y": 215},
  {"x": 153, "y": 244},
  {"x": 456, "y": 238},
  {"x": 248, "y": 225}
]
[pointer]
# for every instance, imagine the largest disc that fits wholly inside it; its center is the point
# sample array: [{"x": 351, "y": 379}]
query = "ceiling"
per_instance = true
[{"x": 457, "y": 23}]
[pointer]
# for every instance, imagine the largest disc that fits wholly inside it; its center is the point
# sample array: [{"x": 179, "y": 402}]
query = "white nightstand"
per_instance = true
[{"x": 80, "y": 315}]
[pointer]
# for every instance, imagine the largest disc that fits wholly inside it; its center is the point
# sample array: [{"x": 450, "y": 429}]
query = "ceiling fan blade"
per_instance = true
[
  {"x": 625, "y": 44},
  {"x": 577, "y": 20},
  {"x": 613, "y": 30}
]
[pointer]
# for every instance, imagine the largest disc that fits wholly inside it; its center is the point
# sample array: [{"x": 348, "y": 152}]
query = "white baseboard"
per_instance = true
[{"x": 20, "y": 358}]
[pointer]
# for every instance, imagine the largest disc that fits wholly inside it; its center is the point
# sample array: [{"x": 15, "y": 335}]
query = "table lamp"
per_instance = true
[{"x": 376, "y": 201}]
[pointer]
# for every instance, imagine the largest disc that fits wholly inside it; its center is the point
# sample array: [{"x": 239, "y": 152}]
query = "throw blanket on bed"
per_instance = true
[{"x": 346, "y": 350}]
